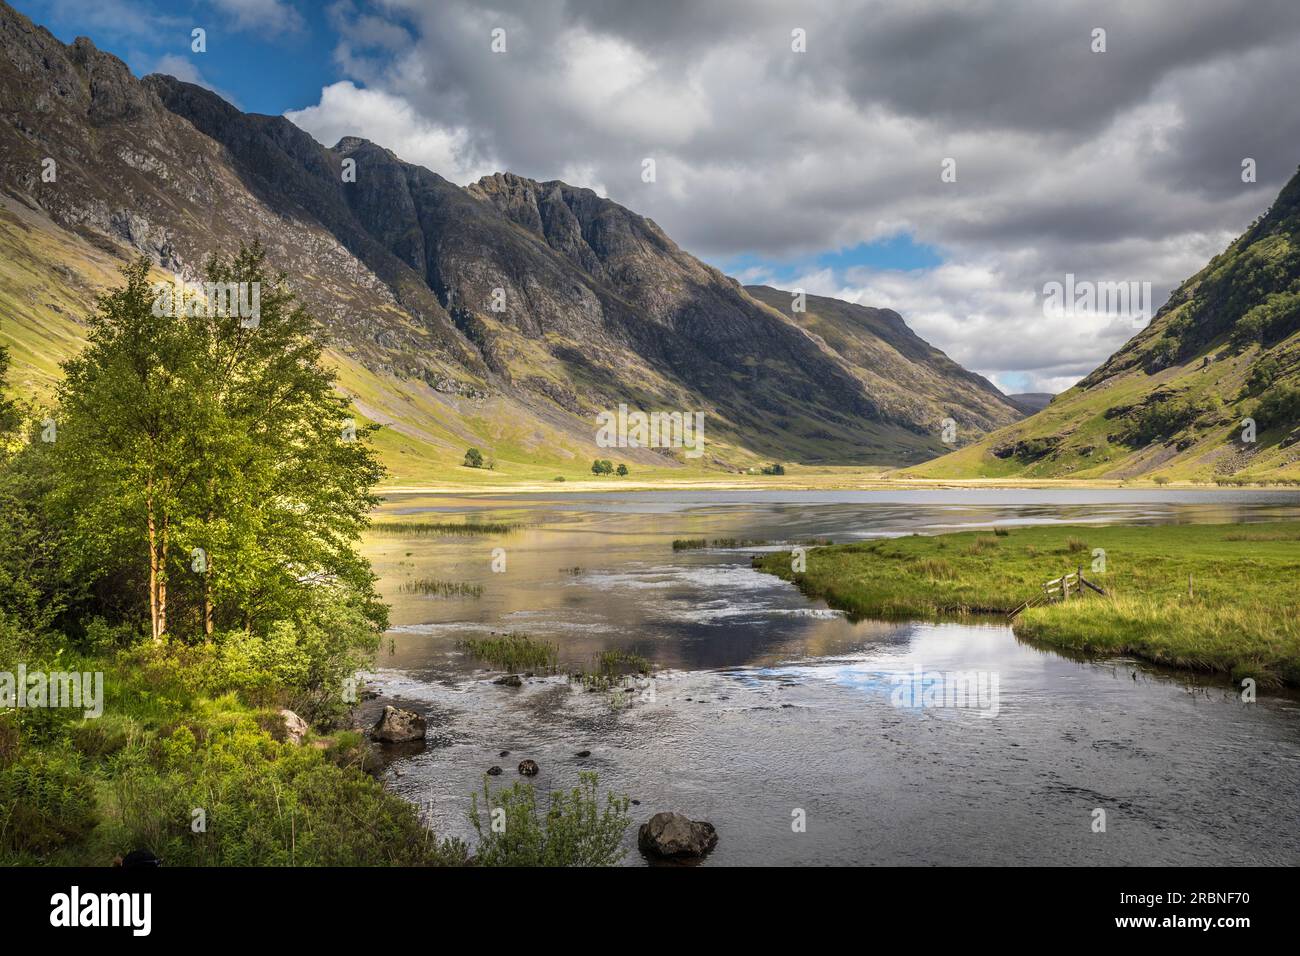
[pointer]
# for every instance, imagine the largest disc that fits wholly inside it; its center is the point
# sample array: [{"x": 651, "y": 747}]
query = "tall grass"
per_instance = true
[
  {"x": 416, "y": 529},
  {"x": 432, "y": 586},
  {"x": 514, "y": 652}
]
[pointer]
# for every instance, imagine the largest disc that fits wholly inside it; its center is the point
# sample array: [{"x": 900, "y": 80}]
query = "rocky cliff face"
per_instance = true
[{"x": 546, "y": 299}]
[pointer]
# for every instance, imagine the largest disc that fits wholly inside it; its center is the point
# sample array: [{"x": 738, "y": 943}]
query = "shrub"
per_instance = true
[
  {"x": 575, "y": 831},
  {"x": 104, "y": 736},
  {"x": 473, "y": 458},
  {"x": 1262, "y": 375},
  {"x": 1160, "y": 419},
  {"x": 1270, "y": 321},
  {"x": 1280, "y": 407},
  {"x": 46, "y": 803}
]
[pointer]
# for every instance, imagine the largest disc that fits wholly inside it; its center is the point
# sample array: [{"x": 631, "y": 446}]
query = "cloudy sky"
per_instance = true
[{"x": 818, "y": 168}]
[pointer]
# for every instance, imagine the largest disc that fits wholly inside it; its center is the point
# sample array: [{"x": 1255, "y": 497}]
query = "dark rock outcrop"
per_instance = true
[
  {"x": 397, "y": 726},
  {"x": 674, "y": 836}
]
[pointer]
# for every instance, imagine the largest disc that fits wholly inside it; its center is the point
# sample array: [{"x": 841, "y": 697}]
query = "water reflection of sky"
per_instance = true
[{"x": 766, "y": 700}]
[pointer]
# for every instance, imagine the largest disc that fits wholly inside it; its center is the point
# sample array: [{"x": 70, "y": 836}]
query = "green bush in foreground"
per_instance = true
[{"x": 575, "y": 830}]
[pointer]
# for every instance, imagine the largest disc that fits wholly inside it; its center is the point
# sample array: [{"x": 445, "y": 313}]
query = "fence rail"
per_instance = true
[{"x": 1058, "y": 589}]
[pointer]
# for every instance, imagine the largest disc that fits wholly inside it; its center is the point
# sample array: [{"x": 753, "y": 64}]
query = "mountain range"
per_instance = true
[{"x": 505, "y": 314}]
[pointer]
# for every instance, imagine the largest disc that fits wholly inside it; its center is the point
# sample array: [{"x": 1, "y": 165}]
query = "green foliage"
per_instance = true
[
  {"x": 9, "y": 414},
  {"x": 575, "y": 831},
  {"x": 1271, "y": 321},
  {"x": 45, "y": 802},
  {"x": 622, "y": 471},
  {"x": 1279, "y": 408},
  {"x": 1160, "y": 419},
  {"x": 775, "y": 469},
  {"x": 602, "y": 466},
  {"x": 1163, "y": 353},
  {"x": 1263, "y": 374},
  {"x": 265, "y": 804},
  {"x": 473, "y": 458},
  {"x": 207, "y": 468}
]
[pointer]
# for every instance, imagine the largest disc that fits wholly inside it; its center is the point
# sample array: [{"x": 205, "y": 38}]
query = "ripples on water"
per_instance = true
[{"x": 767, "y": 703}]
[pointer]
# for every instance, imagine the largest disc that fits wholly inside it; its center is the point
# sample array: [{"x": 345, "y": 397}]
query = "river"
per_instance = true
[{"x": 768, "y": 709}]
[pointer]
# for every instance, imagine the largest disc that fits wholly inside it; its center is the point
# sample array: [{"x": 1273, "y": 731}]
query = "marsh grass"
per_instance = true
[
  {"x": 432, "y": 586},
  {"x": 513, "y": 652},
  {"x": 612, "y": 669},
  {"x": 417, "y": 529},
  {"x": 695, "y": 544},
  {"x": 615, "y": 662},
  {"x": 1243, "y": 619}
]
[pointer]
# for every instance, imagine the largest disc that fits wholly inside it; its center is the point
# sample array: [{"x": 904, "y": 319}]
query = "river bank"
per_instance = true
[{"x": 1212, "y": 598}]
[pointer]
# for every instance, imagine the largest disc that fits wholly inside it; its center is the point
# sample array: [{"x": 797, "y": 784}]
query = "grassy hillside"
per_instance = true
[
  {"x": 1172, "y": 404},
  {"x": 896, "y": 364}
]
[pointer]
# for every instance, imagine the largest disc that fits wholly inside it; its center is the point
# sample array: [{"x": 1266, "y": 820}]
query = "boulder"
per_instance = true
[
  {"x": 295, "y": 728},
  {"x": 529, "y": 768},
  {"x": 397, "y": 726},
  {"x": 510, "y": 680},
  {"x": 673, "y": 836}
]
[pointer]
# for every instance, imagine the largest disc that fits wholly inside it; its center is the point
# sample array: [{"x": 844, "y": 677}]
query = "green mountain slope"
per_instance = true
[
  {"x": 1177, "y": 401},
  {"x": 911, "y": 379}
]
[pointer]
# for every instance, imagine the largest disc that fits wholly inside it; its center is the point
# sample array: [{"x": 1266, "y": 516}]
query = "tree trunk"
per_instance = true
[
  {"x": 207, "y": 582},
  {"x": 153, "y": 564},
  {"x": 207, "y": 602},
  {"x": 162, "y": 582}
]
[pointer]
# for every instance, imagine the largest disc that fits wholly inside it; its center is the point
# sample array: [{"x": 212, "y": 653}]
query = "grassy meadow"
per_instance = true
[{"x": 1241, "y": 619}]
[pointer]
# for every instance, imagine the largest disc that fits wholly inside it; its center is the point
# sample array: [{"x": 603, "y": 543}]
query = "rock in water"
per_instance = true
[
  {"x": 673, "y": 836},
  {"x": 528, "y": 768},
  {"x": 295, "y": 728},
  {"x": 510, "y": 680},
  {"x": 397, "y": 726}
]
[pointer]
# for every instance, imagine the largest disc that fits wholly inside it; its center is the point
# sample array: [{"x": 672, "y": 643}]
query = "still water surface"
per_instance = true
[{"x": 766, "y": 702}]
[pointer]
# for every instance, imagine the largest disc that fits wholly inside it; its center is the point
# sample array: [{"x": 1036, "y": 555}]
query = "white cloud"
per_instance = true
[{"x": 389, "y": 121}]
